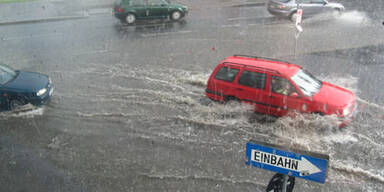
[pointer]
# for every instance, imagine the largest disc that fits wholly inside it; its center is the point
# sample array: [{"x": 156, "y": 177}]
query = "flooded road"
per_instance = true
[{"x": 129, "y": 111}]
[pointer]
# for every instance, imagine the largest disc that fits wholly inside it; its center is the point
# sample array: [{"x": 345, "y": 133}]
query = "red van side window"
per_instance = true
[
  {"x": 226, "y": 74},
  {"x": 252, "y": 79}
]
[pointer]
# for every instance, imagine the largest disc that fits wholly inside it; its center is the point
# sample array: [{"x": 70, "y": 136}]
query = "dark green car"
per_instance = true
[{"x": 129, "y": 11}]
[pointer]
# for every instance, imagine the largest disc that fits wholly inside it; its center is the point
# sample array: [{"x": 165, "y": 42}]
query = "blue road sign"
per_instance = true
[{"x": 311, "y": 166}]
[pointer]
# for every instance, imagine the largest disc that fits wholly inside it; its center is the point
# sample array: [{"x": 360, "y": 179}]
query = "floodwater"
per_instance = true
[
  {"x": 129, "y": 111},
  {"x": 184, "y": 115}
]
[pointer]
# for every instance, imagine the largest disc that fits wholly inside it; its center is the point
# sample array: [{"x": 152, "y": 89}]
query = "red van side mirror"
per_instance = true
[{"x": 294, "y": 94}]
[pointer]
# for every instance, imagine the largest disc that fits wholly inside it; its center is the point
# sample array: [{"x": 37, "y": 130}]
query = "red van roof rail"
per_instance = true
[
  {"x": 252, "y": 67},
  {"x": 264, "y": 58}
]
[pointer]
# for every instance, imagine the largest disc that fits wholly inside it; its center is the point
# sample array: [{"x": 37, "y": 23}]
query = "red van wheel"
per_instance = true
[{"x": 231, "y": 98}]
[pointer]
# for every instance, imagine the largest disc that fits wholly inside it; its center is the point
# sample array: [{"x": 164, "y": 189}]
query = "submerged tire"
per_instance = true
[
  {"x": 15, "y": 104},
  {"x": 130, "y": 19},
  {"x": 231, "y": 98},
  {"x": 337, "y": 13},
  {"x": 293, "y": 16},
  {"x": 176, "y": 15}
]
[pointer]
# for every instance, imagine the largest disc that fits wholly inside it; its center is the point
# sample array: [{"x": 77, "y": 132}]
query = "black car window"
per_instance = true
[
  {"x": 282, "y": 1},
  {"x": 252, "y": 79},
  {"x": 317, "y": 1},
  {"x": 305, "y": 1},
  {"x": 226, "y": 74}
]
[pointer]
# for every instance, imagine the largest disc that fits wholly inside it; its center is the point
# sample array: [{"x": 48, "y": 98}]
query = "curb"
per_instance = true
[
  {"x": 249, "y": 4},
  {"x": 40, "y": 20}
]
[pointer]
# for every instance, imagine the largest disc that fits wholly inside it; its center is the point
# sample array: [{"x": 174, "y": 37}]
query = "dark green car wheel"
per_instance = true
[
  {"x": 130, "y": 18},
  {"x": 176, "y": 15},
  {"x": 15, "y": 104}
]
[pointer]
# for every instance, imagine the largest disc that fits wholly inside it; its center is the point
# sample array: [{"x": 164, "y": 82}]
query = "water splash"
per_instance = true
[
  {"x": 355, "y": 17},
  {"x": 356, "y": 171},
  {"x": 199, "y": 80},
  {"x": 27, "y": 111},
  {"x": 348, "y": 82},
  {"x": 232, "y": 113}
]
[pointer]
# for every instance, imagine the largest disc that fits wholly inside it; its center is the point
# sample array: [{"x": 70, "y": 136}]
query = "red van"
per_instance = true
[{"x": 277, "y": 87}]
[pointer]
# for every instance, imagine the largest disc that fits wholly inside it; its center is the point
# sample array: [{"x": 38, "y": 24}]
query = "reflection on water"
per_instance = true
[{"x": 150, "y": 27}]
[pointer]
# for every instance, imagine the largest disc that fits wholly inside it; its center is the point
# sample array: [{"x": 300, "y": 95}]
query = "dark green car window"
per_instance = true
[
  {"x": 6, "y": 74},
  {"x": 157, "y": 2},
  {"x": 137, "y": 3}
]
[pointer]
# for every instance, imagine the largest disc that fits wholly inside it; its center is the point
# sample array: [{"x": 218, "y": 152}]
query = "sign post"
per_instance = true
[
  {"x": 285, "y": 181},
  {"x": 278, "y": 181},
  {"x": 293, "y": 163},
  {"x": 299, "y": 29},
  {"x": 299, "y": 17}
]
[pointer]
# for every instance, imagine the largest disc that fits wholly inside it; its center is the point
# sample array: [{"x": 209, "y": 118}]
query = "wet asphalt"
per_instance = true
[{"x": 129, "y": 111}]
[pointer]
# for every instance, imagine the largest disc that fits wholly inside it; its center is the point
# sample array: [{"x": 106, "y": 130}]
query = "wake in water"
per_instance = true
[
  {"x": 352, "y": 171},
  {"x": 310, "y": 132},
  {"x": 194, "y": 118},
  {"x": 26, "y": 111},
  {"x": 184, "y": 91},
  {"x": 348, "y": 82},
  {"x": 356, "y": 18}
]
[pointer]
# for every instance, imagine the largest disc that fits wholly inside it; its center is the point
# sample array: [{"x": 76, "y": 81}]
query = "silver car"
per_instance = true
[{"x": 288, "y": 8}]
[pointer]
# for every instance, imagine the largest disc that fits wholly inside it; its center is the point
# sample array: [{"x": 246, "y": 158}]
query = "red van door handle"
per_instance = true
[
  {"x": 271, "y": 96},
  {"x": 239, "y": 89}
]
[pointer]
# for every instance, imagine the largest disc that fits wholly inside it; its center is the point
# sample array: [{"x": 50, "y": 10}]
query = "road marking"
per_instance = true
[
  {"x": 243, "y": 18},
  {"x": 166, "y": 33},
  {"x": 90, "y": 53},
  {"x": 31, "y": 36},
  {"x": 225, "y": 26},
  {"x": 272, "y": 24},
  {"x": 103, "y": 11},
  {"x": 259, "y": 24}
]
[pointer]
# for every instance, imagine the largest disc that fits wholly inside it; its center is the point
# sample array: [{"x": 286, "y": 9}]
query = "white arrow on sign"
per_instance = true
[
  {"x": 307, "y": 168},
  {"x": 303, "y": 166}
]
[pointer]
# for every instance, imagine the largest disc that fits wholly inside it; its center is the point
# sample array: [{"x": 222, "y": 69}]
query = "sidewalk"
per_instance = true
[
  {"x": 39, "y": 11},
  {"x": 52, "y": 10}
]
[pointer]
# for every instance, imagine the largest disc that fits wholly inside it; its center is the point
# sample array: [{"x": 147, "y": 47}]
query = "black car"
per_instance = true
[
  {"x": 19, "y": 87},
  {"x": 288, "y": 8}
]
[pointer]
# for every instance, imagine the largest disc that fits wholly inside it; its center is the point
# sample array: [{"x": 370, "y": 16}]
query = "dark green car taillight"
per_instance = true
[{"x": 119, "y": 9}]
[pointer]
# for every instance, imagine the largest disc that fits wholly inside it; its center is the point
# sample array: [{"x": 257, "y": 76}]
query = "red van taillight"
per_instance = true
[{"x": 119, "y": 10}]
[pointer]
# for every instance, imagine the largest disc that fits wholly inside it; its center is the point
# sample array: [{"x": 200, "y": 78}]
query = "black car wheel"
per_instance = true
[
  {"x": 130, "y": 18},
  {"x": 337, "y": 12},
  {"x": 16, "y": 103},
  {"x": 293, "y": 16},
  {"x": 176, "y": 15}
]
